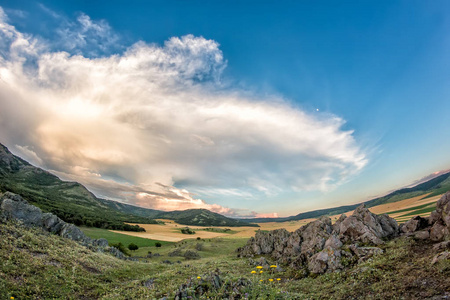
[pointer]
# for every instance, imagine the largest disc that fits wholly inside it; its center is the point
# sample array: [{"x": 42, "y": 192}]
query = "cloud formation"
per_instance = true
[{"x": 154, "y": 124}]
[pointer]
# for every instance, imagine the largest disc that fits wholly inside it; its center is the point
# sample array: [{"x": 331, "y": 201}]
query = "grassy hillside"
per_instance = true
[
  {"x": 202, "y": 217},
  {"x": 435, "y": 186},
  {"x": 70, "y": 201},
  {"x": 38, "y": 265}
]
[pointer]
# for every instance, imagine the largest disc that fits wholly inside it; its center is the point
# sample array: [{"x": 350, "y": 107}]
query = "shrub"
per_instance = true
[
  {"x": 158, "y": 244},
  {"x": 121, "y": 248},
  {"x": 133, "y": 247}
]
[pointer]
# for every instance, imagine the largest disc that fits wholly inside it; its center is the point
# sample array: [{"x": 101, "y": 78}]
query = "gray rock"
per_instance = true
[
  {"x": 422, "y": 235},
  {"x": 333, "y": 242},
  {"x": 14, "y": 207},
  {"x": 433, "y": 218},
  {"x": 367, "y": 227},
  {"x": 441, "y": 246},
  {"x": 318, "y": 246},
  {"x": 414, "y": 224},
  {"x": 441, "y": 256},
  {"x": 365, "y": 252},
  {"x": 438, "y": 231}
]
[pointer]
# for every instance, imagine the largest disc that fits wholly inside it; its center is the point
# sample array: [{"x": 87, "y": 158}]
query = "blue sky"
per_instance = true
[{"x": 348, "y": 100}]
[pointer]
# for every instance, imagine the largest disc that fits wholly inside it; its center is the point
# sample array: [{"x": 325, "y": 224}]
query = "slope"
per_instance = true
[
  {"x": 73, "y": 203},
  {"x": 435, "y": 186}
]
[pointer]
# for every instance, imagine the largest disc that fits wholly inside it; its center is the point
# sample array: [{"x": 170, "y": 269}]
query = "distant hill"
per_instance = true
[
  {"x": 435, "y": 186},
  {"x": 73, "y": 203},
  {"x": 202, "y": 217}
]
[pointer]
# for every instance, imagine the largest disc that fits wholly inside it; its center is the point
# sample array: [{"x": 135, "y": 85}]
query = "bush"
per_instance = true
[
  {"x": 199, "y": 247},
  {"x": 133, "y": 247},
  {"x": 121, "y": 248},
  {"x": 158, "y": 244},
  {"x": 187, "y": 230},
  {"x": 189, "y": 254}
]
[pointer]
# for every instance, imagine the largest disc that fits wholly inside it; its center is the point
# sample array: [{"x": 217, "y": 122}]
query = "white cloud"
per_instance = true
[{"x": 136, "y": 124}]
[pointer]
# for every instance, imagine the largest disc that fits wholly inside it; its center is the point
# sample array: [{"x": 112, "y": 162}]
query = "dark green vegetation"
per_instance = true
[
  {"x": 202, "y": 217},
  {"x": 70, "y": 201},
  {"x": 435, "y": 186},
  {"x": 73, "y": 203},
  {"x": 38, "y": 265},
  {"x": 187, "y": 230},
  {"x": 219, "y": 230},
  {"x": 114, "y": 238}
]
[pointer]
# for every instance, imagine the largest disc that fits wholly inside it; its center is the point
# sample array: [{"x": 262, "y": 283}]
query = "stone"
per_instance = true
[
  {"x": 414, "y": 224},
  {"x": 433, "y": 218},
  {"x": 14, "y": 207},
  {"x": 333, "y": 242},
  {"x": 367, "y": 227},
  {"x": 441, "y": 246},
  {"x": 441, "y": 256},
  {"x": 318, "y": 246},
  {"x": 438, "y": 231},
  {"x": 422, "y": 235}
]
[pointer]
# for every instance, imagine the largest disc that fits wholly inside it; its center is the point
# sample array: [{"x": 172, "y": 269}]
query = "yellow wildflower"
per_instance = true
[
  {"x": 260, "y": 272},
  {"x": 278, "y": 279},
  {"x": 253, "y": 272},
  {"x": 198, "y": 277},
  {"x": 259, "y": 267},
  {"x": 260, "y": 280},
  {"x": 12, "y": 298},
  {"x": 270, "y": 279},
  {"x": 273, "y": 266}
]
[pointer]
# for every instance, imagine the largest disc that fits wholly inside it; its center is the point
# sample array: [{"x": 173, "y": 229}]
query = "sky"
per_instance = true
[{"x": 245, "y": 108}]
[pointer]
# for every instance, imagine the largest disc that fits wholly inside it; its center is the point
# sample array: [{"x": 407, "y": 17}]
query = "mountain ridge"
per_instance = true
[
  {"x": 435, "y": 186},
  {"x": 74, "y": 203}
]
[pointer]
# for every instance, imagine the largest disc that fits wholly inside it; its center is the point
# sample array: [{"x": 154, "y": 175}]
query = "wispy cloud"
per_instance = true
[{"x": 154, "y": 124}]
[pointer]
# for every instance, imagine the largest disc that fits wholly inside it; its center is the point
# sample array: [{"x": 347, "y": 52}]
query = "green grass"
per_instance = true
[
  {"x": 38, "y": 265},
  {"x": 413, "y": 208},
  {"x": 420, "y": 211},
  {"x": 114, "y": 238}
]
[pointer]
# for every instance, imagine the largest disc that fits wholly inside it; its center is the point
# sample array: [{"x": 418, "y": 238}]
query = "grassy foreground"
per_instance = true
[{"x": 38, "y": 265}]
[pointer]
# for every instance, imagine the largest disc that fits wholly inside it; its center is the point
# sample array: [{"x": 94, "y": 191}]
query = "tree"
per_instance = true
[{"x": 133, "y": 247}]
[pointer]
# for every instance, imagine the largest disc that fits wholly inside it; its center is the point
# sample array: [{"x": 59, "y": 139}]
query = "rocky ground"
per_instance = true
[{"x": 321, "y": 246}]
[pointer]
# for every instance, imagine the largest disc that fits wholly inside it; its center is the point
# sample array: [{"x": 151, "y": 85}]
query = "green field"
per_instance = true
[{"x": 114, "y": 238}]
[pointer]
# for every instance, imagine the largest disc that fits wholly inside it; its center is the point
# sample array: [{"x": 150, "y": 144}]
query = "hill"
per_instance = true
[
  {"x": 202, "y": 217},
  {"x": 434, "y": 187},
  {"x": 73, "y": 203}
]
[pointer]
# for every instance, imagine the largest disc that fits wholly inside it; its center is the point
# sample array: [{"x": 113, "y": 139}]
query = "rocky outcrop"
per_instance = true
[
  {"x": 321, "y": 246},
  {"x": 436, "y": 227},
  {"x": 14, "y": 207}
]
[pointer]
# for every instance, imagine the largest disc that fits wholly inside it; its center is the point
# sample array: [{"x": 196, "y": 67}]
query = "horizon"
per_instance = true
[{"x": 248, "y": 110}]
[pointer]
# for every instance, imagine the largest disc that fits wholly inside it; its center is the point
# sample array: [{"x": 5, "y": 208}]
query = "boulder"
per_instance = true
[
  {"x": 14, "y": 207},
  {"x": 366, "y": 227},
  {"x": 318, "y": 246},
  {"x": 422, "y": 235},
  {"x": 438, "y": 231},
  {"x": 414, "y": 224}
]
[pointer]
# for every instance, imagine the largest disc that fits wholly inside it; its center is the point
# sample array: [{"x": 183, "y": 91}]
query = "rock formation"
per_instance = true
[
  {"x": 321, "y": 246},
  {"x": 14, "y": 207}
]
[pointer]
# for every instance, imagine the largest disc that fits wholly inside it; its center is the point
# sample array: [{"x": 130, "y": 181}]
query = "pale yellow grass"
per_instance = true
[{"x": 170, "y": 231}]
